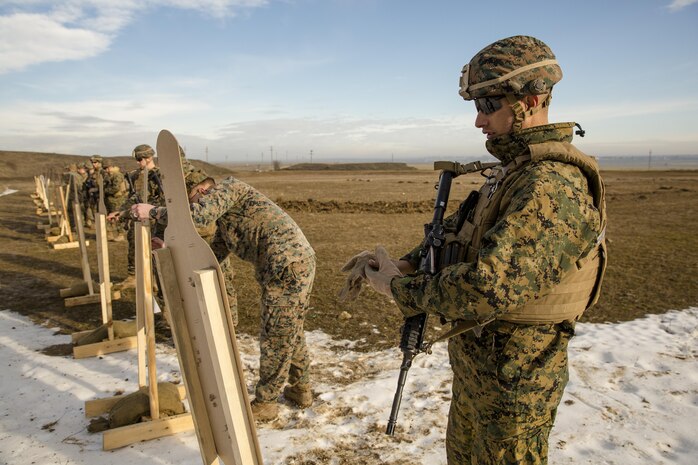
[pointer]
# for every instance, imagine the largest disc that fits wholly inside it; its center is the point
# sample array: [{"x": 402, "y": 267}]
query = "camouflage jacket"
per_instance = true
[
  {"x": 78, "y": 180},
  {"x": 115, "y": 190},
  {"x": 91, "y": 185},
  {"x": 253, "y": 227},
  {"x": 135, "y": 194},
  {"x": 115, "y": 185},
  {"x": 524, "y": 251}
]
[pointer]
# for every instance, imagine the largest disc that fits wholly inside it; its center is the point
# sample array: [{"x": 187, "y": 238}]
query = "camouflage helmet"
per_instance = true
[
  {"x": 518, "y": 66},
  {"x": 107, "y": 163},
  {"x": 143, "y": 151}
]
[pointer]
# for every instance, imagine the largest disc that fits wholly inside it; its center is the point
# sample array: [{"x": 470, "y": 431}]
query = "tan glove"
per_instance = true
[
  {"x": 380, "y": 278},
  {"x": 355, "y": 266}
]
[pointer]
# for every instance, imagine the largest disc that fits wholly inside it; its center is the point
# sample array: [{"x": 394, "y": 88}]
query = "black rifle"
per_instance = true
[
  {"x": 434, "y": 257},
  {"x": 153, "y": 174},
  {"x": 132, "y": 188},
  {"x": 414, "y": 327}
]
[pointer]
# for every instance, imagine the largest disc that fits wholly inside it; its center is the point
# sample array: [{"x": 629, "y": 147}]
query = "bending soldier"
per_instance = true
[{"x": 258, "y": 231}]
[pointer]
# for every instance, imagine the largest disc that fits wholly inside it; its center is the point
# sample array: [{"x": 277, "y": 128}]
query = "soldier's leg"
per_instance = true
[
  {"x": 299, "y": 370},
  {"x": 459, "y": 431},
  {"x": 281, "y": 341},
  {"x": 131, "y": 259},
  {"x": 89, "y": 213},
  {"x": 523, "y": 383},
  {"x": 228, "y": 274}
]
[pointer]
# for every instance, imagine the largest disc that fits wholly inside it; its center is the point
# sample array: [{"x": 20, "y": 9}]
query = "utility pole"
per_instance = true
[
  {"x": 271, "y": 152},
  {"x": 311, "y": 155},
  {"x": 649, "y": 161}
]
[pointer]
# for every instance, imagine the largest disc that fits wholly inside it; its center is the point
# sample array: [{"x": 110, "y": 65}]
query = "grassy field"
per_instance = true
[{"x": 653, "y": 246}]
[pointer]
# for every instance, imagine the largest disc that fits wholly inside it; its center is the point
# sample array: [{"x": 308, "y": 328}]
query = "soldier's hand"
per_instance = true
[
  {"x": 359, "y": 257},
  {"x": 156, "y": 243},
  {"x": 114, "y": 216},
  {"x": 141, "y": 211},
  {"x": 355, "y": 266},
  {"x": 381, "y": 271}
]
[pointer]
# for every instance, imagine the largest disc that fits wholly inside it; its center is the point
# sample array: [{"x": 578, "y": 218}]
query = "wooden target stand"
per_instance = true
[
  {"x": 202, "y": 328},
  {"x": 44, "y": 206},
  {"x": 111, "y": 344},
  {"x": 63, "y": 223},
  {"x": 153, "y": 427},
  {"x": 40, "y": 198},
  {"x": 82, "y": 293}
]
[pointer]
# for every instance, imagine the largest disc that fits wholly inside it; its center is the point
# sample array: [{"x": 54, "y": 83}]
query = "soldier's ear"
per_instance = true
[{"x": 531, "y": 101}]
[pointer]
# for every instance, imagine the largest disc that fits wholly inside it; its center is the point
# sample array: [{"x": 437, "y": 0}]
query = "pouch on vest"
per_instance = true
[{"x": 456, "y": 247}]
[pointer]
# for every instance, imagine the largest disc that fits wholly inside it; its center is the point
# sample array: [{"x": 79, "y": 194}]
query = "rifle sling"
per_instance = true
[{"x": 459, "y": 328}]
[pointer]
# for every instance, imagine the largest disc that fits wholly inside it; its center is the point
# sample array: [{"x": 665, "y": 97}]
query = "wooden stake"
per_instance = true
[{"x": 80, "y": 230}]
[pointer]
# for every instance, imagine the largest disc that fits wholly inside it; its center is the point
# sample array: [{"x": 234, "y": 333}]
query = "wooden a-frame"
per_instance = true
[
  {"x": 202, "y": 328},
  {"x": 111, "y": 344},
  {"x": 83, "y": 292}
]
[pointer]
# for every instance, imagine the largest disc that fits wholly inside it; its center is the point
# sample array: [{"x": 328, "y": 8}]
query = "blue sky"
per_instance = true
[{"x": 370, "y": 79}]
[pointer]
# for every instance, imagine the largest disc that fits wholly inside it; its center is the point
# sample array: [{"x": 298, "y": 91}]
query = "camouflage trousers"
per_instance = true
[
  {"x": 283, "y": 354},
  {"x": 507, "y": 385}
]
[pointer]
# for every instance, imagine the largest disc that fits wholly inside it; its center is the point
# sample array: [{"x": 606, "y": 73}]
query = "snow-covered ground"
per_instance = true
[
  {"x": 7, "y": 191},
  {"x": 632, "y": 399}
]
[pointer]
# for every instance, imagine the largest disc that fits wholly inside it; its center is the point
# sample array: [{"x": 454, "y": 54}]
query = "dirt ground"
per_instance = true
[{"x": 653, "y": 247}]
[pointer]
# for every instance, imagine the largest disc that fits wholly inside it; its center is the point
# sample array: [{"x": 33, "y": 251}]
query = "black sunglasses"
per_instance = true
[{"x": 488, "y": 105}]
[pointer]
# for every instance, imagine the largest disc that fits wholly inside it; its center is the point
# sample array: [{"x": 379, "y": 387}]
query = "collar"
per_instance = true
[{"x": 507, "y": 147}]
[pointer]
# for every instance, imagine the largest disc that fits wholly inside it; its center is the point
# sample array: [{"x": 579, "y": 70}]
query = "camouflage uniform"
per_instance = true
[
  {"x": 80, "y": 179},
  {"x": 115, "y": 189},
  {"x": 68, "y": 173},
  {"x": 91, "y": 190},
  {"x": 508, "y": 382},
  {"x": 155, "y": 197},
  {"x": 255, "y": 229}
]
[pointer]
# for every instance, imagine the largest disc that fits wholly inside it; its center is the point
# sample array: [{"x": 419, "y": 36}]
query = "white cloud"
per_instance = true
[
  {"x": 95, "y": 118},
  {"x": 677, "y": 5},
  {"x": 39, "y": 31},
  {"x": 27, "y": 39}
]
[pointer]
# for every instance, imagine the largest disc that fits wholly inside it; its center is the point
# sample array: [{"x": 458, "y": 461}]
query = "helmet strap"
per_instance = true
[{"x": 520, "y": 114}]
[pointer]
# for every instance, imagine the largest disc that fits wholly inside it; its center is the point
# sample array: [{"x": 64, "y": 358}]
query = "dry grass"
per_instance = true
[{"x": 652, "y": 241}]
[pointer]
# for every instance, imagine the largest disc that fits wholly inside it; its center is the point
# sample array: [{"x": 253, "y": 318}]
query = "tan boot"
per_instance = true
[
  {"x": 264, "y": 411},
  {"x": 300, "y": 394}
]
